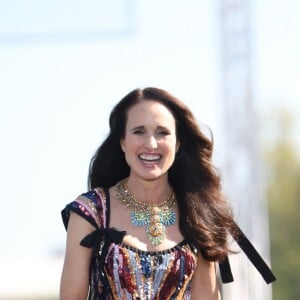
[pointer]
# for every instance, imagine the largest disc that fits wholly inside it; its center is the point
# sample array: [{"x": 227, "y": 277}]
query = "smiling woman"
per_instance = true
[
  {"x": 149, "y": 142},
  {"x": 154, "y": 222}
]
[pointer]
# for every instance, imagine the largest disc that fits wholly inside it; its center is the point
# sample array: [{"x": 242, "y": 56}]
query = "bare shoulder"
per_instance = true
[{"x": 79, "y": 224}]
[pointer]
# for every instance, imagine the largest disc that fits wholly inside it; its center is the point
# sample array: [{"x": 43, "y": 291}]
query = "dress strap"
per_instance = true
[
  {"x": 106, "y": 208},
  {"x": 253, "y": 256},
  {"x": 88, "y": 206}
]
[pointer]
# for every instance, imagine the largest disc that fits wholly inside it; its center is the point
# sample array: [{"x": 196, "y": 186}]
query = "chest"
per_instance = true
[
  {"x": 137, "y": 228},
  {"x": 136, "y": 274}
]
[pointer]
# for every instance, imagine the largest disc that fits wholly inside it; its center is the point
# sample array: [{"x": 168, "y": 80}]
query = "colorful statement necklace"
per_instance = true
[{"x": 154, "y": 216}]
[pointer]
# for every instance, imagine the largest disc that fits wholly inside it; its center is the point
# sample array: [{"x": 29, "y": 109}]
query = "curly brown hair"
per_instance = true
[{"x": 205, "y": 215}]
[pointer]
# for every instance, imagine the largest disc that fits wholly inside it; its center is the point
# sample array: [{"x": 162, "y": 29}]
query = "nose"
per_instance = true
[{"x": 151, "y": 142}]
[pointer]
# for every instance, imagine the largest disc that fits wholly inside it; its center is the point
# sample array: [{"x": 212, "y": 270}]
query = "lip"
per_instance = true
[{"x": 150, "y": 157}]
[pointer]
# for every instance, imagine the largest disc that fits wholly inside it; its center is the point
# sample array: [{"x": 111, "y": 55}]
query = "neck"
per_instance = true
[{"x": 152, "y": 192}]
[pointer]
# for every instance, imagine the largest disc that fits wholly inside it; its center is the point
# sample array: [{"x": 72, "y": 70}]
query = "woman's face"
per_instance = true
[{"x": 150, "y": 142}]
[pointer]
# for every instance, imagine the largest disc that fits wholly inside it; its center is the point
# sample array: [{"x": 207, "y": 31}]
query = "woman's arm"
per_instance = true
[
  {"x": 204, "y": 283},
  {"x": 74, "y": 283}
]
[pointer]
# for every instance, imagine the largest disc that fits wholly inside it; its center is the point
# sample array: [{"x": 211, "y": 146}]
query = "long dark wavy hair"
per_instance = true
[{"x": 205, "y": 216}]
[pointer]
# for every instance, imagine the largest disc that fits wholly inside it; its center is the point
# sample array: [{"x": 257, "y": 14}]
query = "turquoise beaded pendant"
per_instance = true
[{"x": 155, "y": 220}]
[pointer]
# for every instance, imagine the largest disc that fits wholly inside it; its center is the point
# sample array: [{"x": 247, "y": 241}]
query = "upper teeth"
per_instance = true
[{"x": 150, "y": 157}]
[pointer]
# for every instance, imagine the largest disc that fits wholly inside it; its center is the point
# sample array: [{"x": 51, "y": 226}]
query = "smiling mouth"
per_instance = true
[{"x": 150, "y": 157}]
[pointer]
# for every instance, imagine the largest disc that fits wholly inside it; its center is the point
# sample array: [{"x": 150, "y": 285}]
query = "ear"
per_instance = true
[
  {"x": 122, "y": 145},
  {"x": 177, "y": 146}
]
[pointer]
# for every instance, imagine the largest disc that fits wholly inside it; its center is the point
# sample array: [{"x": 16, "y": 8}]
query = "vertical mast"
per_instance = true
[{"x": 241, "y": 160}]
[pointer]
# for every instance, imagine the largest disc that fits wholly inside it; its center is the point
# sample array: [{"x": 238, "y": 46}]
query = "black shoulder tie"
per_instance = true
[
  {"x": 93, "y": 238},
  {"x": 102, "y": 234},
  {"x": 252, "y": 255},
  {"x": 225, "y": 271}
]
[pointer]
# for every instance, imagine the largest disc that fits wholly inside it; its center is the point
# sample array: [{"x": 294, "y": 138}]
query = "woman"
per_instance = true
[{"x": 155, "y": 221}]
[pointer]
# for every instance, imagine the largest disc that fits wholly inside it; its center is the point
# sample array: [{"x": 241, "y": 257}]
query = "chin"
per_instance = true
[{"x": 153, "y": 176}]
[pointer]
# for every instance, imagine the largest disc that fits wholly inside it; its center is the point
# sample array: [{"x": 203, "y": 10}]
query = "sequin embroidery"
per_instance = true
[{"x": 126, "y": 272}]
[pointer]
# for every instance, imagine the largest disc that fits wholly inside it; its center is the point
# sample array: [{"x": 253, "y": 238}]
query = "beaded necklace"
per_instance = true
[{"x": 154, "y": 216}]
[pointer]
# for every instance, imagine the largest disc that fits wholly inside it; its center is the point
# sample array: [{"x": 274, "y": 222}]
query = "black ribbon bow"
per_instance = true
[
  {"x": 99, "y": 235},
  {"x": 252, "y": 255}
]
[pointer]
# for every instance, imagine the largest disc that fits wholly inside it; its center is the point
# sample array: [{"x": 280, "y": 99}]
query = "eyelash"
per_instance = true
[
  {"x": 139, "y": 131},
  {"x": 163, "y": 133}
]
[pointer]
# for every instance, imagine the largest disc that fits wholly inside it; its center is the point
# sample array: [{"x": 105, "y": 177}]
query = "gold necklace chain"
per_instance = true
[
  {"x": 125, "y": 196},
  {"x": 154, "y": 216}
]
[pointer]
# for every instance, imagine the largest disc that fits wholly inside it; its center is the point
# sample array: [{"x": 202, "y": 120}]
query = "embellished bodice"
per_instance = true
[{"x": 119, "y": 271}]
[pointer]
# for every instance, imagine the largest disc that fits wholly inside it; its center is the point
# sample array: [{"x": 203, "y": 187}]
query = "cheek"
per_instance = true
[
  {"x": 129, "y": 144},
  {"x": 172, "y": 147}
]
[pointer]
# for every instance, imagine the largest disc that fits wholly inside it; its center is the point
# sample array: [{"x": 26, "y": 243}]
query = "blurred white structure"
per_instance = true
[{"x": 242, "y": 166}]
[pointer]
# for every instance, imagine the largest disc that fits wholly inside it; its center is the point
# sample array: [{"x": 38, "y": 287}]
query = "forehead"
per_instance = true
[{"x": 150, "y": 112}]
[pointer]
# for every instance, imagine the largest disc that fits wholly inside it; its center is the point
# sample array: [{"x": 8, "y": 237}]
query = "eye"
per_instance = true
[
  {"x": 138, "y": 131},
  {"x": 163, "y": 132}
]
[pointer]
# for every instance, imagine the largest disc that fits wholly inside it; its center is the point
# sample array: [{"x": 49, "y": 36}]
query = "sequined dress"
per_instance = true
[{"x": 119, "y": 271}]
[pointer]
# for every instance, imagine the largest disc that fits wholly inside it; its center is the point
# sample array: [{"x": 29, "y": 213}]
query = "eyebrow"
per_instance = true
[{"x": 143, "y": 127}]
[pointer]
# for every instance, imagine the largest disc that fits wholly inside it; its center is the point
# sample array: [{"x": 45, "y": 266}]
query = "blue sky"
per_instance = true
[{"x": 61, "y": 76}]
